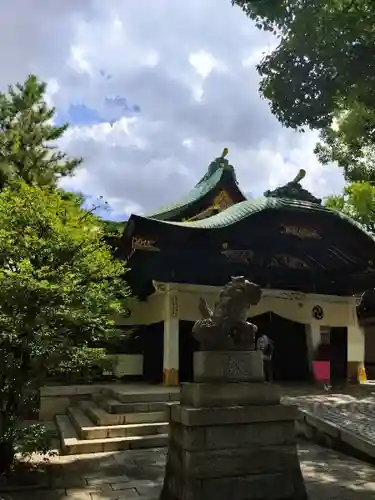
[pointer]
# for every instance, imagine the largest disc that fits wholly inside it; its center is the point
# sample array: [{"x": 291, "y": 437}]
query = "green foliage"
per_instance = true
[
  {"x": 22, "y": 441},
  {"x": 358, "y": 202},
  {"x": 78, "y": 198},
  {"x": 60, "y": 289},
  {"x": 27, "y": 137},
  {"x": 32, "y": 438},
  {"x": 322, "y": 73},
  {"x": 112, "y": 227},
  {"x": 84, "y": 364}
]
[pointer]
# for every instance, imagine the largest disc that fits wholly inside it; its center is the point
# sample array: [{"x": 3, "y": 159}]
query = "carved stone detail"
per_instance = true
[{"x": 226, "y": 327}]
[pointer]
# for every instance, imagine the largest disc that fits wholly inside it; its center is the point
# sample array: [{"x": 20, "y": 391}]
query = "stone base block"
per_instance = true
[
  {"x": 232, "y": 436},
  {"x": 270, "y": 486},
  {"x": 206, "y": 395},
  {"x": 210, "y": 464},
  {"x": 232, "y": 415},
  {"x": 231, "y": 366}
]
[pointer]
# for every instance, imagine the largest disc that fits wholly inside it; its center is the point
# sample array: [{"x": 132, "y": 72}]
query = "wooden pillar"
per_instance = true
[
  {"x": 356, "y": 351},
  {"x": 171, "y": 337}
]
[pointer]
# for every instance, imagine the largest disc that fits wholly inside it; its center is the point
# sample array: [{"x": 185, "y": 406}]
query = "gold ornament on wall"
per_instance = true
[
  {"x": 139, "y": 243},
  {"x": 222, "y": 201}
]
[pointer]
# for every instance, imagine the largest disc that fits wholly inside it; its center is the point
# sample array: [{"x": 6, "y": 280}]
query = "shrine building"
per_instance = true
[{"x": 309, "y": 260}]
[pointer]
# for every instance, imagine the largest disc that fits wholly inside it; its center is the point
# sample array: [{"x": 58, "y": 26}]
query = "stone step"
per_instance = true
[
  {"x": 115, "y": 406},
  {"x": 145, "y": 395},
  {"x": 86, "y": 429},
  {"x": 71, "y": 444},
  {"x": 101, "y": 417}
]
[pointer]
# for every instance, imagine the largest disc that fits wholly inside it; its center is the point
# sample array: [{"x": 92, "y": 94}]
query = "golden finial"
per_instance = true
[
  {"x": 224, "y": 153},
  {"x": 301, "y": 174}
]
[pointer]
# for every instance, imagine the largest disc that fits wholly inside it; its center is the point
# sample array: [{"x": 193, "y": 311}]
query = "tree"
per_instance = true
[
  {"x": 27, "y": 137},
  {"x": 322, "y": 74},
  {"x": 358, "y": 202},
  {"x": 60, "y": 290},
  {"x": 113, "y": 227}
]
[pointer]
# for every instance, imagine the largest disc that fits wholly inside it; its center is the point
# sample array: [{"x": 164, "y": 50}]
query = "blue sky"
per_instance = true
[{"x": 82, "y": 114}]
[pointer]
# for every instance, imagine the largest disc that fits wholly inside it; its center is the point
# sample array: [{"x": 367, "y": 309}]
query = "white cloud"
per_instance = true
[
  {"x": 204, "y": 62},
  {"x": 190, "y": 67}
]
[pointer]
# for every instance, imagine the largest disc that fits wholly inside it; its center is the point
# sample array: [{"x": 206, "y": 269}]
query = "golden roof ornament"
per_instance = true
[
  {"x": 224, "y": 153},
  {"x": 301, "y": 175}
]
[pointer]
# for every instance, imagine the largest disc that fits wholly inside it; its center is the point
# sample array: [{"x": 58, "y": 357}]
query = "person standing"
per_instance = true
[{"x": 265, "y": 346}]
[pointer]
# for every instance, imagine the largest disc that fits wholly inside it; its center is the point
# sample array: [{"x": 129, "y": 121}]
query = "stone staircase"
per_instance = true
[{"x": 117, "y": 419}]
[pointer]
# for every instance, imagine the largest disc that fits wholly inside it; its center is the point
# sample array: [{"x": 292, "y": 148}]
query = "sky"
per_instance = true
[{"x": 153, "y": 91}]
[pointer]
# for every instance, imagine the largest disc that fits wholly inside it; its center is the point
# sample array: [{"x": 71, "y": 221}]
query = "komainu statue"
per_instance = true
[{"x": 226, "y": 327}]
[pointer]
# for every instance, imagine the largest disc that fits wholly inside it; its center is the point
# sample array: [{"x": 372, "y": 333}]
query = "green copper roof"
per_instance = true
[
  {"x": 244, "y": 209},
  {"x": 291, "y": 196},
  {"x": 194, "y": 195},
  {"x": 208, "y": 182}
]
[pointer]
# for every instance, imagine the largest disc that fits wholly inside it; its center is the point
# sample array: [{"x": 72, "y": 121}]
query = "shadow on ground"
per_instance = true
[
  {"x": 333, "y": 476},
  {"x": 104, "y": 476},
  {"x": 139, "y": 474}
]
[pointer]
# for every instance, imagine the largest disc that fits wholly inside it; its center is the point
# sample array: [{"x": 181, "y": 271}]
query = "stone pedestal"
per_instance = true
[{"x": 230, "y": 438}]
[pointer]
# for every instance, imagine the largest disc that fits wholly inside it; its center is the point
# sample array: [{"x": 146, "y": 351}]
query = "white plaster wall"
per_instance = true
[
  {"x": 146, "y": 312},
  {"x": 127, "y": 364},
  {"x": 312, "y": 338},
  {"x": 295, "y": 306},
  {"x": 356, "y": 343},
  {"x": 338, "y": 311}
]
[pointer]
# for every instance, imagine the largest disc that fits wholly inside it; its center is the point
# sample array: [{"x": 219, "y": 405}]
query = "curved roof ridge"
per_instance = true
[{"x": 244, "y": 209}]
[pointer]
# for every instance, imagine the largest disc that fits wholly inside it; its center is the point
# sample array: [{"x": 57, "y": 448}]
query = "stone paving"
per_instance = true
[
  {"x": 356, "y": 415},
  {"x": 138, "y": 475}
]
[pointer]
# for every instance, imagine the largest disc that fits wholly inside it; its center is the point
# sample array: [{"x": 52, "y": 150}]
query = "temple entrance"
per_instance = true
[
  {"x": 338, "y": 354},
  {"x": 153, "y": 352},
  {"x": 290, "y": 358},
  {"x": 187, "y": 346}
]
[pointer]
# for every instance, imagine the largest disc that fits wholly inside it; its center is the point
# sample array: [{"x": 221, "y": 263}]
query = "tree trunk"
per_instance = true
[{"x": 6, "y": 456}]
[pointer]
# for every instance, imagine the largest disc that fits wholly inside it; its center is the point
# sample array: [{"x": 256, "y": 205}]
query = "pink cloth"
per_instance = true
[{"x": 322, "y": 371}]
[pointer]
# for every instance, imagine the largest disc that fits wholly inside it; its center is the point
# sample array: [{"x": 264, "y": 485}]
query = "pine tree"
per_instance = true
[{"x": 27, "y": 137}]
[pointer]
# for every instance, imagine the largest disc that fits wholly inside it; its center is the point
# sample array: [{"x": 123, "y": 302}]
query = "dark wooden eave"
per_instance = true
[{"x": 279, "y": 243}]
